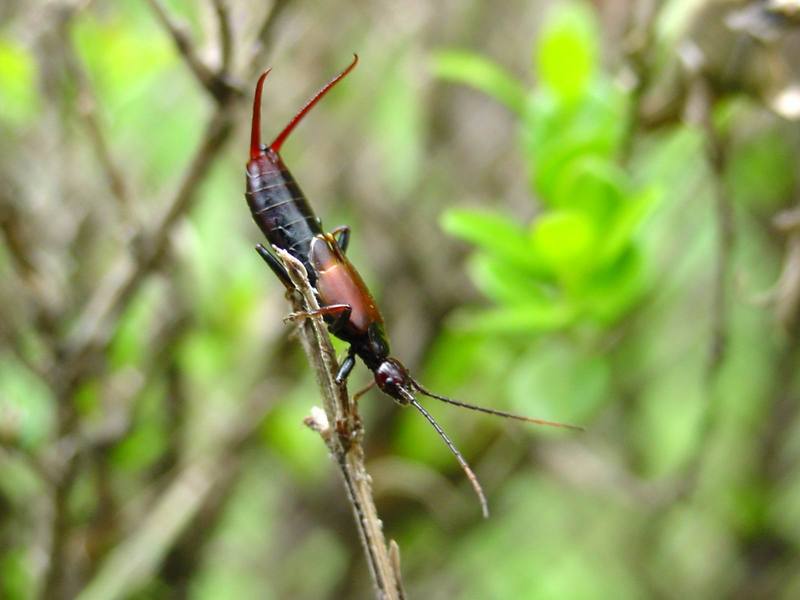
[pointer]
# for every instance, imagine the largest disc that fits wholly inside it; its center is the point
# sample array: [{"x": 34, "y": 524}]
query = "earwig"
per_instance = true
[{"x": 283, "y": 214}]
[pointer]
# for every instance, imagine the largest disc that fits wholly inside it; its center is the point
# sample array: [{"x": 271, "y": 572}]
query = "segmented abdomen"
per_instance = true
[{"x": 281, "y": 211}]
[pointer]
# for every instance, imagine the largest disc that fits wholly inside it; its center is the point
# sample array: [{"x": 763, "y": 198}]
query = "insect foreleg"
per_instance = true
[
  {"x": 342, "y": 236},
  {"x": 346, "y": 367},
  {"x": 276, "y": 266}
]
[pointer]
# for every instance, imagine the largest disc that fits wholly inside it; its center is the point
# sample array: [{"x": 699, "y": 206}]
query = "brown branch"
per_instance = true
[
  {"x": 39, "y": 294},
  {"x": 724, "y": 217},
  {"x": 786, "y": 293},
  {"x": 78, "y": 355},
  {"x": 217, "y": 84},
  {"x": 340, "y": 428},
  {"x": 699, "y": 110},
  {"x": 133, "y": 561},
  {"x": 637, "y": 48},
  {"x": 225, "y": 34},
  {"x": 87, "y": 110},
  {"x": 95, "y": 325}
]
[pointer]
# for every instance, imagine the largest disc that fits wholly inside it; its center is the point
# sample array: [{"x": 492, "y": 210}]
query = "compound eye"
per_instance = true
[{"x": 387, "y": 379}]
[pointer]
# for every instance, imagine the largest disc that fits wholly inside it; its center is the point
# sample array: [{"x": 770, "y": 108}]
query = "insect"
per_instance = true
[{"x": 281, "y": 211}]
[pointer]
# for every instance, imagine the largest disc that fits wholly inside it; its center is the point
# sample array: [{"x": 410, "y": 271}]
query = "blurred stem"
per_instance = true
[
  {"x": 88, "y": 111},
  {"x": 217, "y": 84},
  {"x": 638, "y": 45},
  {"x": 82, "y": 352},
  {"x": 699, "y": 110},
  {"x": 134, "y": 560},
  {"x": 95, "y": 326},
  {"x": 716, "y": 153},
  {"x": 340, "y": 429},
  {"x": 225, "y": 34}
]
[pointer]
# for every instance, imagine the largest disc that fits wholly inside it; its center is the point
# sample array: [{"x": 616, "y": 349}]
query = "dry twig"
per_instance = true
[
  {"x": 340, "y": 428},
  {"x": 216, "y": 83}
]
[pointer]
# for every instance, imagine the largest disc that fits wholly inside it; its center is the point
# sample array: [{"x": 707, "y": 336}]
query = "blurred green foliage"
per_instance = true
[
  {"x": 592, "y": 239},
  {"x": 578, "y": 261}
]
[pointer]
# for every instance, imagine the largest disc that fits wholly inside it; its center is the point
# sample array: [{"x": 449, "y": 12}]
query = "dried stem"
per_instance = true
[
  {"x": 225, "y": 34},
  {"x": 699, "y": 110},
  {"x": 786, "y": 293},
  {"x": 81, "y": 352},
  {"x": 340, "y": 429},
  {"x": 96, "y": 324},
  {"x": 134, "y": 560},
  {"x": 723, "y": 214},
  {"x": 216, "y": 84},
  {"x": 88, "y": 111}
]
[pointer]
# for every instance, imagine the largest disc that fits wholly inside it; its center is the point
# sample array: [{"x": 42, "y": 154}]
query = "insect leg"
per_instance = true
[
  {"x": 342, "y": 235},
  {"x": 276, "y": 266},
  {"x": 363, "y": 390},
  {"x": 347, "y": 365},
  {"x": 340, "y": 312}
]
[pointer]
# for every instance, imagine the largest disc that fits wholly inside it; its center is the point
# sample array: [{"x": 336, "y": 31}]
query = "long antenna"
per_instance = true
[
  {"x": 278, "y": 142},
  {"x": 255, "y": 128},
  {"x": 470, "y": 474},
  {"x": 492, "y": 411}
]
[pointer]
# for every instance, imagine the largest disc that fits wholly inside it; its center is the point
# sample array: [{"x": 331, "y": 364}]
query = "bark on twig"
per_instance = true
[
  {"x": 340, "y": 429},
  {"x": 217, "y": 84},
  {"x": 134, "y": 560},
  {"x": 699, "y": 110},
  {"x": 96, "y": 323}
]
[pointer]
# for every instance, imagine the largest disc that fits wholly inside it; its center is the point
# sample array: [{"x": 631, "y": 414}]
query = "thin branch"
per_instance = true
[
  {"x": 133, "y": 561},
  {"x": 87, "y": 109},
  {"x": 95, "y": 325},
  {"x": 265, "y": 32},
  {"x": 724, "y": 217},
  {"x": 786, "y": 293},
  {"x": 38, "y": 294},
  {"x": 225, "y": 34},
  {"x": 80, "y": 353},
  {"x": 699, "y": 110},
  {"x": 340, "y": 428},
  {"x": 638, "y": 47},
  {"x": 217, "y": 84}
]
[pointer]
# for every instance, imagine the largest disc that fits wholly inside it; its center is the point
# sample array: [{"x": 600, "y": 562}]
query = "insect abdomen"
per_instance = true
[{"x": 280, "y": 209}]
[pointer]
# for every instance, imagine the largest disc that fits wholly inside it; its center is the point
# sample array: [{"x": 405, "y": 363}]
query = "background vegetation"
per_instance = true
[{"x": 585, "y": 212}]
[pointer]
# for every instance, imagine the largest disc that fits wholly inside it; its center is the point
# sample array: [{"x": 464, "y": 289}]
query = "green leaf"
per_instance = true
[
  {"x": 17, "y": 83},
  {"x": 762, "y": 171},
  {"x": 474, "y": 70},
  {"x": 557, "y": 382},
  {"x": 524, "y": 319},
  {"x": 612, "y": 291},
  {"x": 142, "y": 448},
  {"x": 496, "y": 233},
  {"x": 593, "y": 186},
  {"x": 129, "y": 343},
  {"x": 565, "y": 240},
  {"x": 16, "y": 580},
  {"x": 567, "y": 49},
  {"x": 503, "y": 282},
  {"x": 667, "y": 421},
  {"x": 27, "y": 408},
  {"x": 399, "y": 128},
  {"x": 633, "y": 212},
  {"x": 290, "y": 441},
  {"x": 555, "y": 134}
]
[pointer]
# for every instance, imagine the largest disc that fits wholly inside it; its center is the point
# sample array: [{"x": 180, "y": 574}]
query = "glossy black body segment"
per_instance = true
[{"x": 280, "y": 208}]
